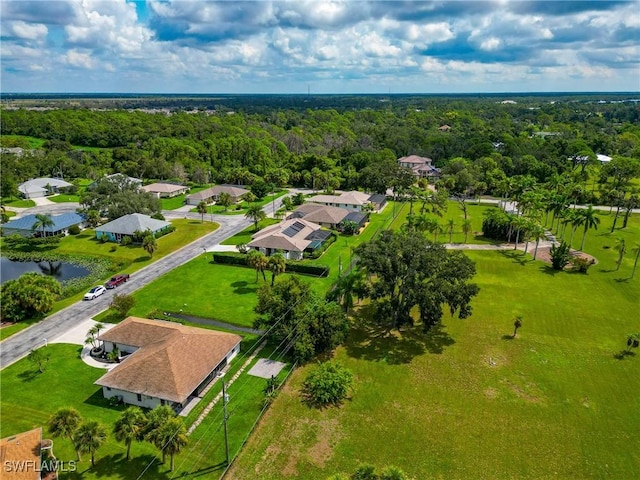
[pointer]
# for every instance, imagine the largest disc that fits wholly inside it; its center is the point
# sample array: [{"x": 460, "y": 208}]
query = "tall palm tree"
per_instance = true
[
  {"x": 450, "y": 226},
  {"x": 129, "y": 427},
  {"x": 258, "y": 260},
  {"x": 537, "y": 234},
  {"x": 64, "y": 423},
  {"x": 255, "y": 214},
  {"x": 277, "y": 265},
  {"x": 171, "y": 438},
  {"x": 89, "y": 437},
  {"x": 621, "y": 248},
  {"x": 636, "y": 250},
  {"x": 42, "y": 221},
  {"x": 466, "y": 228},
  {"x": 202, "y": 209},
  {"x": 343, "y": 290},
  {"x": 576, "y": 219},
  {"x": 589, "y": 220},
  {"x": 150, "y": 244}
]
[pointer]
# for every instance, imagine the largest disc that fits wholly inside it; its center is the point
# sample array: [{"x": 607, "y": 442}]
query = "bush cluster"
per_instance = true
[{"x": 232, "y": 258}]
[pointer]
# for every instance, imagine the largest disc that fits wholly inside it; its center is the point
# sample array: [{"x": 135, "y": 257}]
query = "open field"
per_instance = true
[
  {"x": 467, "y": 400},
  {"x": 24, "y": 406}
]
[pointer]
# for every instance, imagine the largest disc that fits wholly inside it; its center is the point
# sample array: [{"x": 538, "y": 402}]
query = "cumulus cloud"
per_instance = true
[{"x": 245, "y": 45}]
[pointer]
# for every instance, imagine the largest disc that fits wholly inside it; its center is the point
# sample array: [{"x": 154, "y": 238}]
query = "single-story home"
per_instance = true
[
  {"x": 292, "y": 237},
  {"x": 353, "y": 200},
  {"x": 21, "y": 455},
  {"x": 41, "y": 187},
  {"x": 127, "y": 225},
  {"x": 212, "y": 194},
  {"x": 326, "y": 216},
  {"x": 420, "y": 166},
  {"x": 61, "y": 224},
  {"x": 165, "y": 190},
  {"x": 119, "y": 178},
  {"x": 164, "y": 363}
]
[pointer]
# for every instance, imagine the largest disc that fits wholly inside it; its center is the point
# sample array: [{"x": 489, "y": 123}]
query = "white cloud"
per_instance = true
[
  {"x": 76, "y": 58},
  {"x": 490, "y": 44},
  {"x": 28, "y": 31}
]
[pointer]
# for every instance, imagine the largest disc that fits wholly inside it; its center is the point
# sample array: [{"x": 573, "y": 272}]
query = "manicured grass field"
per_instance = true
[
  {"x": 64, "y": 198},
  {"x": 244, "y": 206},
  {"x": 467, "y": 400},
  {"x": 17, "y": 202}
]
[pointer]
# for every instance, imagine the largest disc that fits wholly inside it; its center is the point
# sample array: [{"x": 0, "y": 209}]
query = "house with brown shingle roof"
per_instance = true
[
  {"x": 165, "y": 190},
  {"x": 164, "y": 363},
  {"x": 326, "y": 216},
  {"x": 212, "y": 194},
  {"x": 20, "y": 455},
  {"x": 292, "y": 237}
]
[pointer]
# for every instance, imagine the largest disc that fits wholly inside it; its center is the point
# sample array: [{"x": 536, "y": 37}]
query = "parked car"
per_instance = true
[
  {"x": 94, "y": 292},
  {"x": 117, "y": 280}
]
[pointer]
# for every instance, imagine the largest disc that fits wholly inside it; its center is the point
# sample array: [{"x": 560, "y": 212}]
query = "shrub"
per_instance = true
[
  {"x": 126, "y": 241},
  {"x": 293, "y": 266},
  {"x": 122, "y": 303},
  {"x": 113, "y": 248},
  {"x": 158, "y": 216},
  {"x": 560, "y": 255},
  {"x": 104, "y": 238},
  {"x": 327, "y": 384},
  {"x": 581, "y": 264},
  {"x": 74, "y": 230},
  {"x": 238, "y": 207}
]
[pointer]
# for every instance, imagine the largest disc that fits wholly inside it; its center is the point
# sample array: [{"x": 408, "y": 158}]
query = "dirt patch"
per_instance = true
[
  {"x": 491, "y": 392},
  {"x": 528, "y": 391},
  {"x": 328, "y": 434}
]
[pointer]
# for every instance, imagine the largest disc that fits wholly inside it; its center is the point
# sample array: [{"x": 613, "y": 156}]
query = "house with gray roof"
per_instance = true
[
  {"x": 41, "y": 187},
  {"x": 127, "y": 225},
  {"x": 292, "y": 237},
  {"x": 212, "y": 194},
  {"x": 352, "y": 201},
  {"x": 61, "y": 224}
]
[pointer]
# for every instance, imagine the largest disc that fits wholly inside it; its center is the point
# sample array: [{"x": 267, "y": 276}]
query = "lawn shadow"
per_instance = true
[
  {"x": 142, "y": 259},
  {"x": 371, "y": 341},
  {"x": 507, "y": 337},
  {"x": 516, "y": 256},
  {"x": 117, "y": 466},
  {"x": 97, "y": 400},
  {"x": 29, "y": 375},
  {"x": 622, "y": 280},
  {"x": 549, "y": 270},
  {"x": 241, "y": 288},
  {"x": 203, "y": 471},
  {"x": 83, "y": 235},
  {"x": 622, "y": 354}
]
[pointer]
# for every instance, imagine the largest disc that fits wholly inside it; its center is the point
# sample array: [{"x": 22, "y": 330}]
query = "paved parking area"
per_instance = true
[{"x": 266, "y": 368}]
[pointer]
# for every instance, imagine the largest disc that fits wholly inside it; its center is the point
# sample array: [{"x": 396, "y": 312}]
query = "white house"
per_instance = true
[
  {"x": 164, "y": 363},
  {"x": 352, "y": 201},
  {"x": 41, "y": 187}
]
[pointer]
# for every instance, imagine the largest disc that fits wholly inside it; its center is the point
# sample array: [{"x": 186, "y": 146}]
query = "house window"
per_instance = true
[
  {"x": 162, "y": 402},
  {"x": 108, "y": 389},
  {"x": 139, "y": 397}
]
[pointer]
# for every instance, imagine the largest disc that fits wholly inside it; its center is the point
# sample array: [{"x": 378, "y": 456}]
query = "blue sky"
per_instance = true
[{"x": 193, "y": 46}]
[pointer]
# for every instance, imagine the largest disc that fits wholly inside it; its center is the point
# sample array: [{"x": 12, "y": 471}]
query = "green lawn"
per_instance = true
[
  {"x": 179, "y": 201},
  {"x": 64, "y": 198},
  {"x": 245, "y": 235},
  {"x": 17, "y": 202},
  {"x": 24, "y": 406},
  {"x": 467, "y": 401},
  {"x": 242, "y": 207}
]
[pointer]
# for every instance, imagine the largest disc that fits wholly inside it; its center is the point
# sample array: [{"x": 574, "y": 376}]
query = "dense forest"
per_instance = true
[{"x": 325, "y": 142}]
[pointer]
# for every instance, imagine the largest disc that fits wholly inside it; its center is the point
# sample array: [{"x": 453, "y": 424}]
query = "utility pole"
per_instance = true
[{"x": 225, "y": 399}]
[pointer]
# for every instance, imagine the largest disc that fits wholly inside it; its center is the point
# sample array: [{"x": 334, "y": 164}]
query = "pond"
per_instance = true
[{"x": 12, "y": 269}]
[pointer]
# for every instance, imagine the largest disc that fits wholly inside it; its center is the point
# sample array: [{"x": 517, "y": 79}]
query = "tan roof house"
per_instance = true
[
  {"x": 292, "y": 237},
  {"x": 164, "y": 363},
  {"x": 212, "y": 194},
  {"x": 420, "y": 166},
  {"x": 326, "y": 216},
  {"x": 165, "y": 190},
  {"x": 20, "y": 455},
  {"x": 353, "y": 200}
]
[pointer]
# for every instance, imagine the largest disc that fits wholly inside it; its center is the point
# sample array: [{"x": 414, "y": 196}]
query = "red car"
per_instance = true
[{"x": 117, "y": 280}]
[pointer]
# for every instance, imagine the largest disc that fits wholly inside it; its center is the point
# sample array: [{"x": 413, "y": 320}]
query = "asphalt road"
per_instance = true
[{"x": 19, "y": 345}]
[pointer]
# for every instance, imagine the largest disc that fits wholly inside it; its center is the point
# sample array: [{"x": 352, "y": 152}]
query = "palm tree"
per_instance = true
[
  {"x": 225, "y": 200},
  {"x": 576, "y": 220},
  {"x": 450, "y": 226},
  {"x": 64, "y": 423},
  {"x": 258, "y": 260},
  {"x": 621, "y": 248},
  {"x": 589, "y": 220},
  {"x": 516, "y": 325},
  {"x": 537, "y": 234},
  {"x": 256, "y": 214},
  {"x": 636, "y": 250},
  {"x": 42, "y": 221},
  {"x": 202, "y": 209},
  {"x": 345, "y": 287},
  {"x": 89, "y": 437},
  {"x": 149, "y": 244},
  {"x": 129, "y": 427},
  {"x": 466, "y": 228},
  {"x": 173, "y": 435},
  {"x": 277, "y": 265}
]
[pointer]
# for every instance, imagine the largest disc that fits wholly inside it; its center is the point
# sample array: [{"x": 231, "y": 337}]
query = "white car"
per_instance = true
[{"x": 94, "y": 292}]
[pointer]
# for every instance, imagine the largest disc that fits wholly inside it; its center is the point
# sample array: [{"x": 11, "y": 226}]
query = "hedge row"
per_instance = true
[{"x": 231, "y": 258}]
